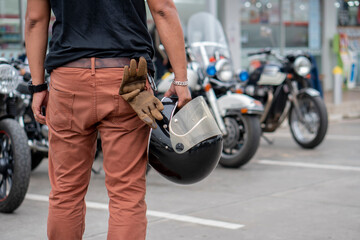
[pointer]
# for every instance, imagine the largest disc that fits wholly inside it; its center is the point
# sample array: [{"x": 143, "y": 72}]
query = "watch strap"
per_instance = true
[{"x": 37, "y": 88}]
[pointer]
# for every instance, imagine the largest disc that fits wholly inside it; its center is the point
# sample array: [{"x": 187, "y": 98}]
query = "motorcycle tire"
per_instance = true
[
  {"x": 318, "y": 104},
  {"x": 15, "y": 165},
  {"x": 245, "y": 147},
  {"x": 36, "y": 159}
]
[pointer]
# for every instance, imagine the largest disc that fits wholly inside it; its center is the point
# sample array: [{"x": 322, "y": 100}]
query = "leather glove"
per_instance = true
[
  {"x": 147, "y": 107},
  {"x": 132, "y": 79},
  {"x": 132, "y": 90}
]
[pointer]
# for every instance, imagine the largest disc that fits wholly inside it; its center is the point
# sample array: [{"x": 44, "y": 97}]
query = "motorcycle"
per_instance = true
[
  {"x": 283, "y": 87},
  {"x": 210, "y": 74},
  {"x": 15, "y": 158}
]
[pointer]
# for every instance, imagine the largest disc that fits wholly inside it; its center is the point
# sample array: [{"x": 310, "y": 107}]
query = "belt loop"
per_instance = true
[{"x": 92, "y": 66}]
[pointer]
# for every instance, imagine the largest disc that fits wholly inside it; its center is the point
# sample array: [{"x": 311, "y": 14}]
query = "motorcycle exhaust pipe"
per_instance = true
[
  {"x": 38, "y": 146},
  {"x": 45, "y": 131},
  {"x": 267, "y": 107}
]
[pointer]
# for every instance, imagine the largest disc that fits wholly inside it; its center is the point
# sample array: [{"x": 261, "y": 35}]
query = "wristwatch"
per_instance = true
[{"x": 37, "y": 88}]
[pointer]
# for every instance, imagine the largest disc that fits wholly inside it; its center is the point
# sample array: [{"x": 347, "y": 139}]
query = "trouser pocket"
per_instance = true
[{"x": 60, "y": 109}]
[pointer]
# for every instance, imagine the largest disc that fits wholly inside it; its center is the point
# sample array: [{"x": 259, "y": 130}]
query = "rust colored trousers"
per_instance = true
[{"x": 83, "y": 102}]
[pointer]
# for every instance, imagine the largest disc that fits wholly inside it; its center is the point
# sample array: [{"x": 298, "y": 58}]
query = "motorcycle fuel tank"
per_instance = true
[{"x": 271, "y": 75}]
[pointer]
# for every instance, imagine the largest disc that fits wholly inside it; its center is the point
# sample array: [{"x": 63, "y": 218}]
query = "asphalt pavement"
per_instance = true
[{"x": 284, "y": 193}]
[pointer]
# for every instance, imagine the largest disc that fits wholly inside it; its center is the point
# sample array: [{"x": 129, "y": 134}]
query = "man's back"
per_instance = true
[{"x": 92, "y": 28}]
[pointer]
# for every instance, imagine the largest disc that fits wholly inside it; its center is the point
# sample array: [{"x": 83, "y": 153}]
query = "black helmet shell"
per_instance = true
[{"x": 186, "y": 168}]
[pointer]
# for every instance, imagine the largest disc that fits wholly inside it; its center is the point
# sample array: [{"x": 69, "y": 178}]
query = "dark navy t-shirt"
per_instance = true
[{"x": 98, "y": 28}]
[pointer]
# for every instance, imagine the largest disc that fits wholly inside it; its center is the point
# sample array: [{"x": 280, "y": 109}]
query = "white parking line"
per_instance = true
[
  {"x": 176, "y": 217},
  {"x": 328, "y": 136},
  {"x": 309, "y": 165}
]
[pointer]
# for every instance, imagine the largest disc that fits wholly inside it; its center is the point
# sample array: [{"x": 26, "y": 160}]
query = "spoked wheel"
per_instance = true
[
  {"x": 241, "y": 142},
  {"x": 310, "y": 129},
  {"x": 15, "y": 165}
]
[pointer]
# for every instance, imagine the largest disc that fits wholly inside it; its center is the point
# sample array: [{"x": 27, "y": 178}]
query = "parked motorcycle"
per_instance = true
[
  {"x": 15, "y": 158},
  {"x": 37, "y": 133},
  {"x": 210, "y": 74},
  {"x": 283, "y": 87}
]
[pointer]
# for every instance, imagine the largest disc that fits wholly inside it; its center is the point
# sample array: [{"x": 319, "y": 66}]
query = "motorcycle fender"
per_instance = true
[
  {"x": 234, "y": 101},
  {"x": 309, "y": 91}
]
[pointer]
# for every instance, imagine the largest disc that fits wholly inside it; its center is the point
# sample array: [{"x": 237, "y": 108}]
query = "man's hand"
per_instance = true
[
  {"x": 39, "y": 101},
  {"x": 182, "y": 92}
]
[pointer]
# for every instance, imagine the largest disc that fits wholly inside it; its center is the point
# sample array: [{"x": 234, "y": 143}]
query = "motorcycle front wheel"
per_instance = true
[
  {"x": 242, "y": 140},
  {"x": 311, "y": 130},
  {"x": 15, "y": 165}
]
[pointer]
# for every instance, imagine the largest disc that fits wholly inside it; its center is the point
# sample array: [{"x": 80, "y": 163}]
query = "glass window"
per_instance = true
[
  {"x": 296, "y": 20},
  {"x": 348, "y": 12},
  {"x": 260, "y": 23},
  {"x": 10, "y": 30}
]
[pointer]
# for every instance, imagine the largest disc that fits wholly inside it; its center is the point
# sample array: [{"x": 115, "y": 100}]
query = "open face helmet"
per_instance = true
[{"x": 187, "y": 144}]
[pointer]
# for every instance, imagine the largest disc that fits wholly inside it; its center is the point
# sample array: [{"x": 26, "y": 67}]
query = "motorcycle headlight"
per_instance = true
[
  {"x": 302, "y": 66},
  {"x": 224, "y": 70},
  {"x": 9, "y": 79}
]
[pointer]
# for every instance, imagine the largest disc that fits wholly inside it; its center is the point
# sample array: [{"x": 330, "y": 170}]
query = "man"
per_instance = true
[{"x": 92, "y": 42}]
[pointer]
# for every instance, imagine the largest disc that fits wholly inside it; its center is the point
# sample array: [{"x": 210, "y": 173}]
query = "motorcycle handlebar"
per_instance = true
[{"x": 266, "y": 51}]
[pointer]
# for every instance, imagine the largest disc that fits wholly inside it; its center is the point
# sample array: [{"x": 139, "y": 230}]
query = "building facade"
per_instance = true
[{"x": 308, "y": 25}]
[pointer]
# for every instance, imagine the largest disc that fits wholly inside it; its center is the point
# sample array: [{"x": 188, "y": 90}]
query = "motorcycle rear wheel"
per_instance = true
[
  {"x": 247, "y": 142},
  {"x": 15, "y": 165},
  {"x": 314, "y": 112}
]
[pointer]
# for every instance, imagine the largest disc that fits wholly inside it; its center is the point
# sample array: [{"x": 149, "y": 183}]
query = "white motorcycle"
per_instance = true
[{"x": 210, "y": 74}]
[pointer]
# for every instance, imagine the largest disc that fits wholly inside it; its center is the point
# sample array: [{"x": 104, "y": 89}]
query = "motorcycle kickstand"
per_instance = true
[{"x": 270, "y": 142}]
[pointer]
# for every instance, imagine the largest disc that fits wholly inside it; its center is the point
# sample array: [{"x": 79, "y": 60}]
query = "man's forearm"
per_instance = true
[
  {"x": 36, "y": 37},
  {"x": 169, "y": 28}
]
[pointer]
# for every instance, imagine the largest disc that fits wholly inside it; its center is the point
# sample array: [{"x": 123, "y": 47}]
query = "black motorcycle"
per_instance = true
[
  {"x": 37, "y": 133},
  {"x": 15, "y": 158},
  {"x": 282, "y": 84}
]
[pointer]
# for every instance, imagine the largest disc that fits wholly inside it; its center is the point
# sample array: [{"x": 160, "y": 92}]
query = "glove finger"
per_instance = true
[
  {"x": 154, "y": 111},
  {"x": 158, "y": 104},
  {"x": 147, "y": 119},
  {"x": 142, "y": 69},
  {"x": 126, "y": 74},
  {"x": 156, "y": 114},
  {"x": 124, "y": 79},
  {"x": 139, "y": 85},
  {"x": 133, "y": 68},
  {"x": 129, "y": 96},
  {"x": 132, "y": 87}
]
